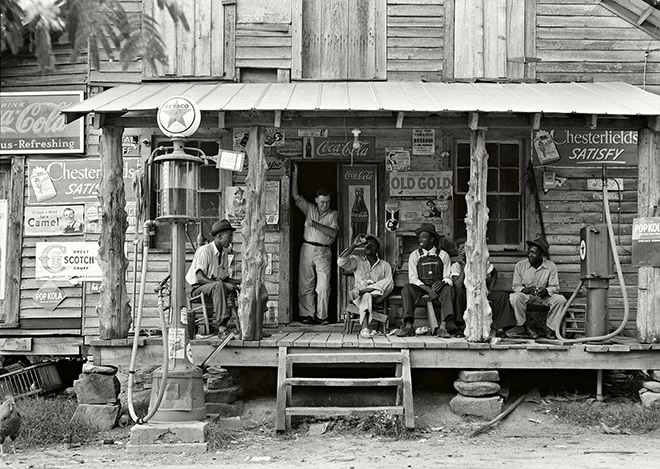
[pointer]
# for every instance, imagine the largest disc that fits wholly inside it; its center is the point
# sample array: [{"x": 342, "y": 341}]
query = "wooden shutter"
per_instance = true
[
  {"x": 206, "y": 49},
  {"x": 493, "y": 38},
  {"x": 339, "y": 39}
]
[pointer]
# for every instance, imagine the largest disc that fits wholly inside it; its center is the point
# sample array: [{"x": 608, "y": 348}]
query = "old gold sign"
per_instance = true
[{"x": 420, "y": 183}]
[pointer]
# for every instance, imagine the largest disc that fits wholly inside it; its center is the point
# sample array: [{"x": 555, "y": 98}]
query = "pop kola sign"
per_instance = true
[
  {"x": 579, "y": 148},
  {"x": 646, "y": 241},
  {"x": 421, "y": 184},
  {"x": 49, "y": 296},
  {"x": 32, "y": 123}
]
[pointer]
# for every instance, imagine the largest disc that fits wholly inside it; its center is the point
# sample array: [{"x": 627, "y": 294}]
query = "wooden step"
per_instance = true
[
  {"x": 378, "y": 357},
  {"x": 331, "y": 411},
  {"x": 344, "y": 381}
]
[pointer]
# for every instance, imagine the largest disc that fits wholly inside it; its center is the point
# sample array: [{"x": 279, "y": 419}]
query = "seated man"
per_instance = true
[
  {"x": 373, "y": 278},
  {"x": 503, "y": 317},
  {"x": 535, "y": 280},
  {"x": 428, "y": 273},
  {"x": 209, "y": 274}
]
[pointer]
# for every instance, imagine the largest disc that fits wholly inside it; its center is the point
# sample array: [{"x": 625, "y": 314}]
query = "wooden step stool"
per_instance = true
[{"x": 285, "y": 382}]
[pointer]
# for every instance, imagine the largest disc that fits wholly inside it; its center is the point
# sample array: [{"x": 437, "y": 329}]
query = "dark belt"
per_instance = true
[{"x": 316, "y": 244}]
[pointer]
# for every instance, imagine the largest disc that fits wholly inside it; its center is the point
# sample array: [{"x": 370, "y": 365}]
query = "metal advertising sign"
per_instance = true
[
  {"x": 333, "y": 147},
  {"x": 54, "y": 220},
  {"x": 359, "y": 199},
  {"x": 31, "y": 123},
  {"x": 71, "y": 180},
  {"x": 646, "y": 241},
  {"x": 66, "y": 261},
  {"x": 433, "y": 184},
  {"x": 49, "y": 296},
  {"x": 580, "y": 148},
  {"x": 178, "y": 116}
]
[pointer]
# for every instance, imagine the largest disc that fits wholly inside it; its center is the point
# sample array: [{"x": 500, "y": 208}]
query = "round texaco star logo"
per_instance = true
[{"x": 178, "y": 117}]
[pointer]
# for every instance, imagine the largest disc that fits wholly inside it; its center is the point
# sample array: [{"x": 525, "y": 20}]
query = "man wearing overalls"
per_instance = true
[{"x": 429, "y": 274}]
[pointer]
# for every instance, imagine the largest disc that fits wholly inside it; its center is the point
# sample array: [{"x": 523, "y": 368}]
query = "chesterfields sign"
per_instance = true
[{"x": 31, "y": 123}]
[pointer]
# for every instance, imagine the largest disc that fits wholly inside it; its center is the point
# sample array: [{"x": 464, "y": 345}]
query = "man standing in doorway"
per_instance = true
[{"x": 321, "y": 228}]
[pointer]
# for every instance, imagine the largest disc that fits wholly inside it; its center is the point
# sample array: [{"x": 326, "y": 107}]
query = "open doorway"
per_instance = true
[{"x": 311, "y": 177}]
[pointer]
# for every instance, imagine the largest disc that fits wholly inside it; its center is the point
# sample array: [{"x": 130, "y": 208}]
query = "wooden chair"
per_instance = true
[
  {"x": 379, "y": 315},
  {"x": 197, "y": 304}
]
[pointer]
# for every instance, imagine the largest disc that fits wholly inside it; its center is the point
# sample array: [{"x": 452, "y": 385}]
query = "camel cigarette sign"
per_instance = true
[{"x": 31, "y": 123}]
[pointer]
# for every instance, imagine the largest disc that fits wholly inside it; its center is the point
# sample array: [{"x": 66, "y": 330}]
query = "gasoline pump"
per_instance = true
[
  {"x": 177, "y": 390},
  {"x": 595, "y": 272}
]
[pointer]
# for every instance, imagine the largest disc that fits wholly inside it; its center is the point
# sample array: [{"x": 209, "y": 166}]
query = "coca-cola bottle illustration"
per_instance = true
[{"x": 359, "y": 214}]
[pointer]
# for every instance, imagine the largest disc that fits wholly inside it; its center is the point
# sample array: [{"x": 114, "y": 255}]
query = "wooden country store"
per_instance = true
[{"x": 414, "y": 102}]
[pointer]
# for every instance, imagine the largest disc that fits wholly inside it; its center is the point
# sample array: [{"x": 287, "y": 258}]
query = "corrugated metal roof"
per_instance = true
[{"x": 549, "y": 98}]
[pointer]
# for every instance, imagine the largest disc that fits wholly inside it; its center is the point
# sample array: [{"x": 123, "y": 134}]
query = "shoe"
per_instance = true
[
  {"x": 530, "y": 333},
  {"x": 422, "y": 330},
  {"x": 224, "y": 333},
  {"x": 406, "y": 331},
  {"x": 325, "y": 322},
  {"x": 549, "y": 333},
  {"x": 308, "y": 320},
  {"x": 365, "y": 334},
  {"x": 442, "y": 333},
  {"x": 501, "y": 334}
]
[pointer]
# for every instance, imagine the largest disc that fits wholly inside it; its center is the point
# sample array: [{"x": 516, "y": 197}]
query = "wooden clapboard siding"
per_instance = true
[
  {"x": 22, "y": 71},
  {"x": 415, "y": 40},
  {"x": 206, "y": 50},
  {"x": 581, "y": 40},
  {"x": 263, "y": 45}
]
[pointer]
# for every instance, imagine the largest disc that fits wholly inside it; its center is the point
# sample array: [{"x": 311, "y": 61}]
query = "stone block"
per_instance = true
[
  {"x": 655, "y": 374},
  {"x": 650, "y": 399},
  {"x": 219, "y": 383},
  {"x": 482, "y": 375},
  {"x": 476, "y": 388},
  {"x": 168, "y": 433},
  {"x": 89, "y": 368},
  {"x": 99, "y": 417},
  {"x": 97, "y": 389},
  {"x": 223, "y": 396},
  {"x": 486, "y": 407},
  {"x": 652, "y": 385}
]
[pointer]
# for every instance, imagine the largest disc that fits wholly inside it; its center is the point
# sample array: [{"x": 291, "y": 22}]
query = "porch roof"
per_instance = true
[{"x": 611, "y": 98}]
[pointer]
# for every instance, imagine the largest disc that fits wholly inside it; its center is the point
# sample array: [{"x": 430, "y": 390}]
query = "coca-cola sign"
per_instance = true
[
  {"x": 32, "y": 123},
  {"x": 334, "y": 147},
  {"x": 359, "y": 175}
]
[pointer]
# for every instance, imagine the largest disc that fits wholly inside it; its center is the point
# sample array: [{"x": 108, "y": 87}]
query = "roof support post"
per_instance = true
[
  {"x": 592, "y": 121},
  {"x": 473, "y": 120},
  {"x": 536, "y": 121},
  {"x": 113, "y": 308},
  {"x": 648, "y": 287},
  {"x": 478, "y": 316},
  {"x": 14, "y": 233},
  {"x": 253, "y": 295}
]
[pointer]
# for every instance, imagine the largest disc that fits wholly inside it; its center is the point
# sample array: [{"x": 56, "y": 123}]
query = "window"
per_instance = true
[
  {"x": 504, "y": 193},
  {"x": 209, "y": 191}
]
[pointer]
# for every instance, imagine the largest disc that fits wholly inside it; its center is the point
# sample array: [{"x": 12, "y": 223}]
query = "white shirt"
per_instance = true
[
  {"x": 413, "y": 277},
  {"x": 207, "y": 259}
]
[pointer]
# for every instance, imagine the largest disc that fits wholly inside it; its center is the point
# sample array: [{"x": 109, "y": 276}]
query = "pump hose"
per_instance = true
[
  {"x": 136, "y": 338},
  {"x": 617, "y": 263}
]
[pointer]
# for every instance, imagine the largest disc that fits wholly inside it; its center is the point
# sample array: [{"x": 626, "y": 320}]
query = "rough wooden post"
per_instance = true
[
  {"x": 14, "y": 254},
  {"x": 254, "y": 232},
  {"x": 478, "y": 316},
  {"x": 113, "y": 309},
  {"x": 648, "y": 287}
]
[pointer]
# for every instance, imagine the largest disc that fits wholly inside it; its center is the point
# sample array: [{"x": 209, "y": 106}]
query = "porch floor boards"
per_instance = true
[{"x": 428, "y": 352}]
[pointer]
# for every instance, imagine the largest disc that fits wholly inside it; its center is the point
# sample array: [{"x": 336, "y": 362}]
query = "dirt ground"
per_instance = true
[{"x": 529, "y": 437}]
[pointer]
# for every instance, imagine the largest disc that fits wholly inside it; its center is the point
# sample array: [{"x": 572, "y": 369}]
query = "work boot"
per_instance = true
[{"x": 406, "y": 331}]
